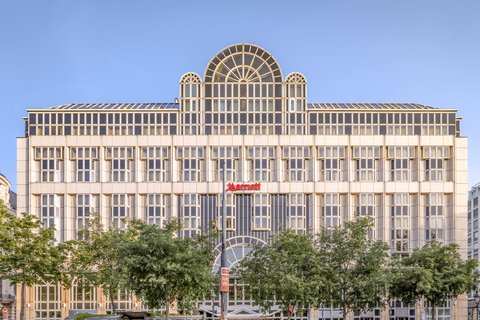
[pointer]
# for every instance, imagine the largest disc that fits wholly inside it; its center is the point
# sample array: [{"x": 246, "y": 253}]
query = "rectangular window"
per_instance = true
[
  {"x": 295, "y": 163},
  {"x": 261, "y": 212},
  {"x": 401, "y": 163},
  {"x": 156, "y": 163},
  {"x": 437, "y": 163},
  {"x": 48, "y": 302},
  {"x": 435, "y": 213},
  {"x": 296, "y": 215},
  {"x": 231, "y": 158},
  {"x": 400, "y": 223},
  {"x": 49, "y": 162},
  {"x": 85, "y": 206},
  {"x": 331, "y": 163},
  {"x": 85, "y": 163},
  {"x": 230, "y": 213},
  {"x": 122, "y": 300},
  {"x": 260, "y": 162},
  {"x": 83, "y": 296},
  {"x": 192, "y": 163},
  {"x": 190, "y": 214},
  {"x": 120, "y": 160},
  {"x": 51, "y": 211},
  {"x": 366, "y": 161},
  {"x": 334, "y": 206},
  {"x": 157, "y": 208},
  {"x": 121, "y": 205},
  {"x": 365, "y": 206}
]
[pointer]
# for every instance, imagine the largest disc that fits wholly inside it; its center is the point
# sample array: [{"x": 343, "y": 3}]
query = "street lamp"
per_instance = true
[
  {"x": 477, "y": 302},
  {"x": 213, "y": 296}
]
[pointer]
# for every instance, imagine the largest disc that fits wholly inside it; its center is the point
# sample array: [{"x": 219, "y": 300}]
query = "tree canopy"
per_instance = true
[
  {"x": 354, "y": 266},
  {"x": 435, "y": 272},
  {"x": 29, "y": 254},
  {"x": 161, "y": 268},
  {"x": 96, "y": 260},
  {"x": 284, "y": 272}
]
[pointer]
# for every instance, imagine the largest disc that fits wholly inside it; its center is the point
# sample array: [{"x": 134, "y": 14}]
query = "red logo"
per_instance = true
[{"x": 243, "y": 186}]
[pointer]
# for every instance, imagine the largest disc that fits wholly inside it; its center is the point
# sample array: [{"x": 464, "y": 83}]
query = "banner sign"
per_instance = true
[{"x": 224, "y": 279}]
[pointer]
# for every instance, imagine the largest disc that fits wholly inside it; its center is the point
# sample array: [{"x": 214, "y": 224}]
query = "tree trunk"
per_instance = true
[
  {"x": 167, "y": 309},
  {"x": 344, "y": 312},
  {"x": 433, "y": 311},
  {"x": 289, "y": 314},
  {"x": 112, "y": 301},
  {"x": 24, "y": 303}
]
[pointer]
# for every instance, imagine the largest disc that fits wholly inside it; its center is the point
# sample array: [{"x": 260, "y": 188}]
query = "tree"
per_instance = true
[
  {"x": 285, "y": 272},
  {"x": 355, "y": 267},
  {"x": 96, "y": 260},
  {"x": 435, "y": 272},
  {"x": 28, "y": 254},
  {"x": 161, "y": 268}
]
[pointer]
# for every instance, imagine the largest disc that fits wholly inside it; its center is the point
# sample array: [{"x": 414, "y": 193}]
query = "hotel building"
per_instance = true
[{"x": 289, "y": 163}]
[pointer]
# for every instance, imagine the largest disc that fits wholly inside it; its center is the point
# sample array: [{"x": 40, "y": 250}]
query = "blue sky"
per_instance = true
[{"x": 56, "y": 52}]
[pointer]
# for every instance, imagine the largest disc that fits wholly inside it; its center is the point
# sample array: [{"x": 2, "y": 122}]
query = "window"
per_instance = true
[
  {"x": 332, "y": 163},
  {"x": 401, "y": 163},
  {"x": 120, "y": 161},
  {"x": 48, "y": 302},
  {"x": 435, "y": 217},
  {"x": 261, "y": 212},
  {"x": 231, "y": 156},
  {"x": 400, "y": 222},
  {"x": 189, "y": 103},
  {"x": 83, "y": 296},
  {"x": 192, "y": 163},
  {"x": 437, "y": 163},
  {"x": 260, "y": 162},
  {"x": 120, "y": 206},
  {"x": 157, "y": 208},
  {"x": 295, "y": 163},
  {"x": 86, "y": 204},
  {"x": 51, "y": 207},
  {"x": 230, "y": 206},
  {"x": 49, "y": 161},
  {"x": 190, "y": 214},
  {"x": 367, "y": 163},
  {"x": 85, "y": 163},
  {"x": 296, "y": 219},
  {"x": 365, "y": 204},
  {"x": 156, "y": 163},
  {"x": 122, "y": 301},
  {"x": 334, "y": 206}
]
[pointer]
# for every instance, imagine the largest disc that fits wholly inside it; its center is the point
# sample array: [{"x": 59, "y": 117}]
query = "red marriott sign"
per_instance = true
[{"x": 243, "y": 186}]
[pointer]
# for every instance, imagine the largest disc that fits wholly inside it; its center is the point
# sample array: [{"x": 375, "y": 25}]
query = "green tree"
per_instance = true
[
  {"x": 96, "y": 260},
  {"x": 28, "y": 253},
  {"x": 355, "y": 267},
  {"x": 161, "y": 268},
  {"x": 435, "y": 272},
  {"x": 284, "y": 272}
]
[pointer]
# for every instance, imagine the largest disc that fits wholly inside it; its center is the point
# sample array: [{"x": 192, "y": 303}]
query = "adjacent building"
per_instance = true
[
  {"x": 289, "y": 163},
  {"x": 7, "y": 292}
]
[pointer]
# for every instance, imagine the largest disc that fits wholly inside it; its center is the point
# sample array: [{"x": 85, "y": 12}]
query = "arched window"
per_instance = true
[
  {"x": 190, "y": 87},
  {"x": 243, "y": 92},
  {"x": 296, "y": 86}
]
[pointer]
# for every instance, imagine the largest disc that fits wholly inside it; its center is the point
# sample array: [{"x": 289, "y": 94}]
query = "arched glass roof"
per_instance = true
[{"x": 243, "y": 63}]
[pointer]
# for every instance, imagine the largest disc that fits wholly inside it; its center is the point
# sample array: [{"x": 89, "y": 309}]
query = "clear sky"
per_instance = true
[{"x": 56, "y": 52}]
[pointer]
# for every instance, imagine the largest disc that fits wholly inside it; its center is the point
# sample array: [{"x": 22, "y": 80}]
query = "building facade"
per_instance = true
[
  {"x": 289, "y": 163},
  {"x": 7, "y": 292},
  {"x": 473, "y": 241}
]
